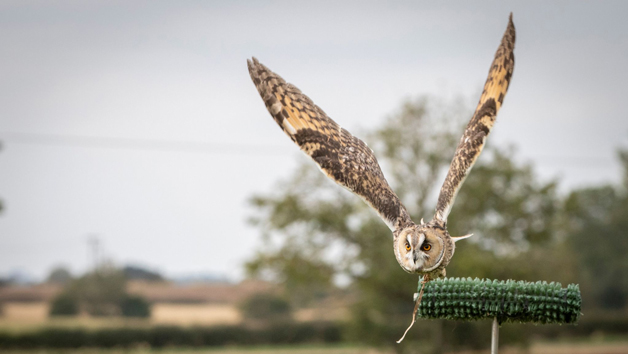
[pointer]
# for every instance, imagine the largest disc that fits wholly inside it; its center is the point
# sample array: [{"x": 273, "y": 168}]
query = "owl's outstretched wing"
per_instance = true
[
  {"x": 472, "y": 141},
  {"x": 342, "y": 157}
]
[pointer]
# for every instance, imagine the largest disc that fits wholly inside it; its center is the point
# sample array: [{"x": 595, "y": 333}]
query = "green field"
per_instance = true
[
  {"x": 619, "y": 346},
  {"x": 231, "y": 350}
]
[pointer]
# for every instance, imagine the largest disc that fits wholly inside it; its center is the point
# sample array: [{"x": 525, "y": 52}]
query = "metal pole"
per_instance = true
[{"x": 494, "y": 336}]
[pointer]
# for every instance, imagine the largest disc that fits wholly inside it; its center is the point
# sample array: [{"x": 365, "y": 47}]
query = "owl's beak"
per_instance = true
[{"x": 458, "y": 238}]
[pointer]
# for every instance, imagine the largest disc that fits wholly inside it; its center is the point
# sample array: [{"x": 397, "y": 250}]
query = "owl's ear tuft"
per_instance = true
[{"x": 458, "y": 238}]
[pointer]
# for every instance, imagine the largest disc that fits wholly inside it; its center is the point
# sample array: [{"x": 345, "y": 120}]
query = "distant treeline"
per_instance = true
[
  {"x": 162, "y": 336},
  {"x": 471, "y": 335}
]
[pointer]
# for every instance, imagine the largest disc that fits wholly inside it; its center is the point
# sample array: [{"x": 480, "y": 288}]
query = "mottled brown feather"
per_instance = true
[
  {"x": 341, "y": 156},
  {"x": 472, "y": 141}
]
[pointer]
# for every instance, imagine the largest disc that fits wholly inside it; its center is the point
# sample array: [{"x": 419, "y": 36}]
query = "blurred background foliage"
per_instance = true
[
  {"x": 323, "y": 249},
  {"x": 99, "y": 293},
  {"x": 267, "y": 308},
  {"x": 318, "y": 236}
]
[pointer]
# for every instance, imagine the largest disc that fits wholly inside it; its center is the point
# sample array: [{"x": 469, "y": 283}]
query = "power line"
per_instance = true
[
  {"x": 140, "y": 144},
  {"x": 581, "y": 161},
  {"x": 223, "y": 148}
]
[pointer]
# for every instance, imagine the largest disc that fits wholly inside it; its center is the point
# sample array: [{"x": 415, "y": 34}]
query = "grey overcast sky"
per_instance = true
[{"x": 136, "y": 121}]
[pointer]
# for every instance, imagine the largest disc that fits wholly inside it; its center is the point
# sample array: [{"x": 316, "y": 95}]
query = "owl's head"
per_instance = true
[{"x": 425, "y": 248}]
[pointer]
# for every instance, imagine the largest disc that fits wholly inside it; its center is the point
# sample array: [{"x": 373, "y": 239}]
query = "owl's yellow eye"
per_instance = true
[
  {"x": 426, "y": 247},
  {"x": 408, "y": 246}
]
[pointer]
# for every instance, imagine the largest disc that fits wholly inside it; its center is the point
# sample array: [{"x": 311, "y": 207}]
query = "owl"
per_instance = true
[{"x": 423, "y": 248}]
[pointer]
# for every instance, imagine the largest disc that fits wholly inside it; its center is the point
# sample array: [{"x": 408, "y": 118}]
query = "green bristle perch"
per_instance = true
[{"x": 466, "y": 299}]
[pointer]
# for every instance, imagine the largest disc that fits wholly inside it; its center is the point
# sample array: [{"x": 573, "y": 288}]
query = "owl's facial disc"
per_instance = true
[
  {"x": 432, "y": 249},
  {"x": 419, "y": 250}
]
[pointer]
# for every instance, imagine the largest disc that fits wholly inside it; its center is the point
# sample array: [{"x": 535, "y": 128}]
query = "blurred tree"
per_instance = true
[
  {"x": 64, "y": 304},
  {"x": 100, "y": 293},
  {"x": 135, "y": 306},
  {"x": 266, "y": 307},
  {"x": 139, "y": 273},
  {"x": 597, "y": 221},
  {"x": 59, "y": 275},
  {"x": 316, "y": 233}
]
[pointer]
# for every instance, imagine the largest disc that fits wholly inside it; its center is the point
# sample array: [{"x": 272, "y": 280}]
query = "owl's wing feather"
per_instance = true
[
  {"x": 341, "y": 156},
  {"x": 472, "y": 141}
]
